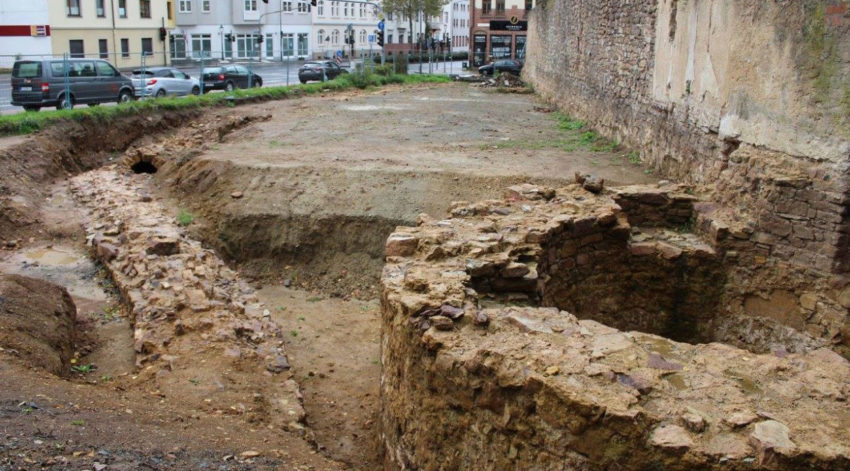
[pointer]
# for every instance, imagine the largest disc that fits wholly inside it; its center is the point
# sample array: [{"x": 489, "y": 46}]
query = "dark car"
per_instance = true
[
  {"x": 40, "y": 83},
  {"x": 505, "y": 65},
  {"x": 313, "y": 71},
  {"x": 229, "y": 77}
]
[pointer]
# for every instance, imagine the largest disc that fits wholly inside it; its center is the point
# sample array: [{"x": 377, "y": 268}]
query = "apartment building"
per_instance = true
[
  {"x": 498, "y": 29},
  {"x": 122, "y": 31},
  {"x": 331, "y": 20},
  {"x": 233, "y": 30},
  {"x": 24, "y": 30},
  {"x": 454, "y": 24}
]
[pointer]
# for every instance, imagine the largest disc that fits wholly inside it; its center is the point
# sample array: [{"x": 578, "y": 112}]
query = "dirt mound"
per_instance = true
[{"x": 37, "y": 322}]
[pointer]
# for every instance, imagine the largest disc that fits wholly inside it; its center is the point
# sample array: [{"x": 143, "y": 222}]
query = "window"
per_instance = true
[
  {"x": 73, "y": 7},
  {"x": 269, "y": 45},
  {"x": 486, "y": 7},
  {"x": 390, "y": 38},
  {"x": 335, "y": 37},
  {"x": 185, "y": 6},
  {"x": 103, "y": 47},
  {"x": 247, "y": 45},
  {"x": 500, "y": 47},
  {"x": 250, "y": 5},
  {"x": 321, "y": 38},
  {"x": 178, "y": 46},
  {"x": 75, "y": 47},
  {"x": 125, "y": 47},
  {"x": 362, "y": 36},
  {"x": 205, "y": 6},
  {"x": 286, "y": 44},
  {"x": 122, "y": 8},
  {"x": 529, "y": 4},
  {"x": 345, "y": 10},
  {"x": 147, "y": 46},
  {"x": 145, "y": 8},
  {"x": 302, "y": 44},
  {"x": 500, "y": 7},
  {"x": 286, "y": 6},
  {"x": 201, "y": 46},
  {"x": 168, "y": 9},
  {"x": 334, "y": 8},
  {"x": 106, "y": 70},
  {"x": 520, "y": 47},
  {"x": 100, "y": 9},
  {"x": 303, "y": 7},
  {"x": 321, "y": 8}
]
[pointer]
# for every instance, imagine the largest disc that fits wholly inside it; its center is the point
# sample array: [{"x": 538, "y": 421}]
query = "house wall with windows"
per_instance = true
[
  {"x": 330, "y": 21},
  {"x": 231, "y": 30},
  {"x": 120, "y": 31},
  {"x": 454, "y": 24},
  {"x": 24, "y": 30}
]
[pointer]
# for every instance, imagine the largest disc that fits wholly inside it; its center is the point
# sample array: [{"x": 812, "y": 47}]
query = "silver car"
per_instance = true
[{"x": 161, "y": 81}]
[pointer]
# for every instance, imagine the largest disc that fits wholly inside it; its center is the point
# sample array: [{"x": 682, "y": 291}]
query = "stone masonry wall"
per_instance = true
[{"x": 749, "y": 100}]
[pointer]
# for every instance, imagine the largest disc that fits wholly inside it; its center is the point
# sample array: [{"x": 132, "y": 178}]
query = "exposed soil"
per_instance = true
[{"x": 300, "y": 195}]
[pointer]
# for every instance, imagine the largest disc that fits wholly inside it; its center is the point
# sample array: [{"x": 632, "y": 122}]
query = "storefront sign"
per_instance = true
[{"x": 514, "y": 24}]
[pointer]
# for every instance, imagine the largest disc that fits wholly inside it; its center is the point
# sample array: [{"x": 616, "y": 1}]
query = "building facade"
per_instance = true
[
  {"x": 498, "y": 30},
  {"x": 24, "y": 30},
  {"x": 454, "y": 25},
  {"x": 331, "y": 20},
  {"x": 234, "y": 30},
  {"x": 122, "y": 31}
]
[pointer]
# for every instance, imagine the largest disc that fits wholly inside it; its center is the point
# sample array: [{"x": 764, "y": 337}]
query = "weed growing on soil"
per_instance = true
[
  {"x": 29, "y": 122},
  {"x": 83, "y": 368},
  {"x": 634, "y": 157},
  {"x": 184, "y": 217},
  {"x": 78, "y": 423}
]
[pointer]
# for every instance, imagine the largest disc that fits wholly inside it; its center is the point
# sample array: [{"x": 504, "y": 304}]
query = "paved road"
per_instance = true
[{"x": 272, "y": 73}]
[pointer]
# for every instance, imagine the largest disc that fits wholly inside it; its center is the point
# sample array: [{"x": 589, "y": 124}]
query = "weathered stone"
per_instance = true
[
  {"x": 770, "y": 437},
  {"x": 401, "y": 245},
  {"x": 163, "y": 246},
  {"x": 693, "y": 422},
  {"x": 441, "y": 323},
  {"x": 671, "y": 437},
  {"x": 107, "y": 252}
]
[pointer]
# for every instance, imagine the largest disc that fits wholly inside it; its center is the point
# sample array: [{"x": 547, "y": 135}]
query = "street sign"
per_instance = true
[
  {"x": 381, "y": 25},
  {"x": 371, "y": 38}
]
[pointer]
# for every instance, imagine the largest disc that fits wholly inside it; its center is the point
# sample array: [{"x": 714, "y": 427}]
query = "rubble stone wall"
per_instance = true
[
  {"x": 480, "y": 371},
  {"x": 749, "y": 100}
]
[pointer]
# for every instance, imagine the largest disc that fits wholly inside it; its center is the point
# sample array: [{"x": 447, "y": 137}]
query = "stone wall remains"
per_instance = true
[{"x": 748, "y": 100}]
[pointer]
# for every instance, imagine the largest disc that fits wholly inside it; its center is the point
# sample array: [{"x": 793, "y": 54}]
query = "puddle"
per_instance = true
[{"x": 64, "y": 266}]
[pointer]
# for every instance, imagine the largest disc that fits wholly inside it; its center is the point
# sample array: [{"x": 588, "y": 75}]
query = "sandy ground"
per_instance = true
[{"x": 376, "y": 157}]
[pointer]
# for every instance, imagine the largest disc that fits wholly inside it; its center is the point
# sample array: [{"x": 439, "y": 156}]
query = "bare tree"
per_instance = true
[{"x": 409, "y": 8}]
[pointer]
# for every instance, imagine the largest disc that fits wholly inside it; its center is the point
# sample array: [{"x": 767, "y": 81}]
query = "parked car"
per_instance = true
[
  {"x": 313, "y": 71},
  {"x": 504, "y": 65},
  {"x": 39, "y": 83},
  {"x": 161, "y": 81},
  {"x": 229, "y": 77}
]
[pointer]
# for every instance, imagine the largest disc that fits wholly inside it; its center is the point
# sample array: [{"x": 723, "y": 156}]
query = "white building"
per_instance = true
[
  {"x": 24, "y": 30},
  {"x": 234, "y": 30},
  {"x": 331, "y": 20},
  {"x": 455, "y": 24}
]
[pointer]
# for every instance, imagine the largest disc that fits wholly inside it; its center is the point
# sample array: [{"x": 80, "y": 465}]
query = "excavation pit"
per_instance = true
[
  {"x": 484, "y": 365},
  {"x": 143, "y": 166}
]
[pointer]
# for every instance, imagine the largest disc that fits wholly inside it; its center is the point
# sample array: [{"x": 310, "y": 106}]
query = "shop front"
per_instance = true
[{"x": 504, "y": 39}]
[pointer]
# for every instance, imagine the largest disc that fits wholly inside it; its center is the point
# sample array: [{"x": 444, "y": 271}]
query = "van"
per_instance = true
[{"x": 39, "y": 83}]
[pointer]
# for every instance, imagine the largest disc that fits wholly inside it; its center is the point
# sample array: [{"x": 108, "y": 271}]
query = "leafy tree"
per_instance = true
[{"x": 409, "y": 8}]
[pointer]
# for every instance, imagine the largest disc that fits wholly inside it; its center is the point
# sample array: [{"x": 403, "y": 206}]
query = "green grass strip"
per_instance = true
[{"x": 30, "y": 122}]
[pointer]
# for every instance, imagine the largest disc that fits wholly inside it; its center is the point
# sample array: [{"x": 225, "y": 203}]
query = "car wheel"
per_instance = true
[
  {"x": 228, "y": 87},
  {"x": 92, "y": 105},
  {"x": 124, "y": 97},
  {"x": 160, "y": 93},
  {"x": 196, "y": 90},
  {"x": 302, "y": 81},
  {"x": 258, "y": 83},
  {"x": 31, "y": 108},
  {"x": 64, "y": 103}
]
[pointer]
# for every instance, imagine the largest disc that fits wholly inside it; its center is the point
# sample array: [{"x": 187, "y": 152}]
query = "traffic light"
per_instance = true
[
  {"x": 162, "y": 34},
  {"x": 314, "y": 2},
  {"x": 260, "y": 39},
  {"x": 380, "y": 38}
]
